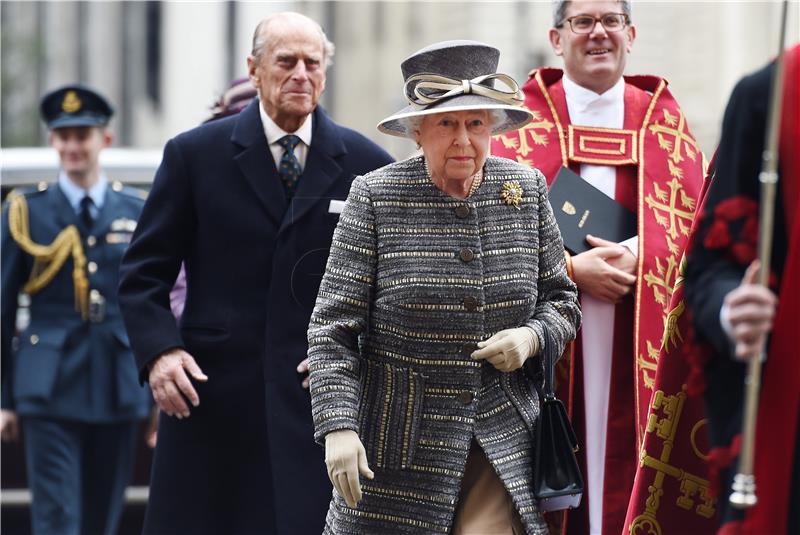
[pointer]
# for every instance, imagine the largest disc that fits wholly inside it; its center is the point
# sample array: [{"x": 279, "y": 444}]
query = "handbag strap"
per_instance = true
[{"x": 549, "y": 358}]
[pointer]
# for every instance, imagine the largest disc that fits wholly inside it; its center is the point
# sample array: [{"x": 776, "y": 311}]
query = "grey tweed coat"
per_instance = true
[{"x": 414, "y": 280}]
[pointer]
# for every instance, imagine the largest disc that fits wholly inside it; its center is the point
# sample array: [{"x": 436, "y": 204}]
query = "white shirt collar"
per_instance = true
[
  {"x": 583, "y": 98},
  {"x": 75, "y": 193},
  {"x": 273, "y": 132}
]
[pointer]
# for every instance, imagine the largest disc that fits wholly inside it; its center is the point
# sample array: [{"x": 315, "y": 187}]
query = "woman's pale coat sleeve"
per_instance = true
[
  {"x": 557, "y": 301},
  {"x": 340, "y": 316}
]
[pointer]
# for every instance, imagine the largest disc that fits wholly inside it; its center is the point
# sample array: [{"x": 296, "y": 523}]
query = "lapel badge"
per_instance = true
[
  {"x": 123, "y": 224},
  {"x": 511, "y": 193},
  {"x": 71, "y": 102}
]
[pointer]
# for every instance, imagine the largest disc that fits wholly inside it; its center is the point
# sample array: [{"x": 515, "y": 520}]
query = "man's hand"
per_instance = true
[
  {"x": 169, "y": 382},
  {"x": 9, "y": 426},
  {"x": 605, "y": 271},
  {"x": 303, "y": 368},
  {"x": 751, "y": 309},
  {"x": 509, "y": 349},
  {"x": 346, "y": 458}
]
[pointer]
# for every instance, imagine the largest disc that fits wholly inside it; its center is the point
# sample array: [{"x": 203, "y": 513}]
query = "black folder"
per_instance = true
[{"x": 582, "y": 209}]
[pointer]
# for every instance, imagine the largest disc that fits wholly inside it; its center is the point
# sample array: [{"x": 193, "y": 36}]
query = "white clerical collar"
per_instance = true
[
  {"x": 582, "y": 98},
  {"x": 275, "y": 132}
]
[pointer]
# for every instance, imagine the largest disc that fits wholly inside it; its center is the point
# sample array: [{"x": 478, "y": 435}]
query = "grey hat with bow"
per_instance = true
[{"x": 456, "y": 76}]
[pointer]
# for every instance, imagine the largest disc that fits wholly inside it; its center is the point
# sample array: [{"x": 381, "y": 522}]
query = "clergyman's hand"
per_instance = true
[
  {"x": 170, "y": 383},
  {"x": 596, "y": 275},
  {"x": 9, "y": 426},
  {"x": 626, "y": 261}
]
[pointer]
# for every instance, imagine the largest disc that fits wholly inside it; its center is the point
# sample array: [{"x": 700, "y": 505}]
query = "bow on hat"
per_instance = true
[{"x": 433, "y": 88}]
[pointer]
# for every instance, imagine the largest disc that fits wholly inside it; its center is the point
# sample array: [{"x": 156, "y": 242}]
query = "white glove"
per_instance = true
[
  {"x": 509, "y": 349},
  {"x": 346, "y": 458}
]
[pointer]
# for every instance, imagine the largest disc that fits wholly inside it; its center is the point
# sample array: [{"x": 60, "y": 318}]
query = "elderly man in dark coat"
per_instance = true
[{"x": 249, "y": 204}]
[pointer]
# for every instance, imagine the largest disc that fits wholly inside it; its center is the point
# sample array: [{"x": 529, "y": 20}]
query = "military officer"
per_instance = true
[{"x": 71, "y": 379}]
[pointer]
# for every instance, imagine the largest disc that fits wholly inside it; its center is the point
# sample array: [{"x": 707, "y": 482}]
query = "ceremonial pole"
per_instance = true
[{"x": 744, "y": 483}]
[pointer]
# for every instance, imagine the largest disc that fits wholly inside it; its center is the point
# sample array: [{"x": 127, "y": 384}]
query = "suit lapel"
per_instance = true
[
  {"x": 321, "y": 170},
  {"x": 256, "y": 163}
]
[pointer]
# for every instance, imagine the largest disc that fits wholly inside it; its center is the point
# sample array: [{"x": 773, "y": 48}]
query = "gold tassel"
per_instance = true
[{"x": 49, "y": 259}]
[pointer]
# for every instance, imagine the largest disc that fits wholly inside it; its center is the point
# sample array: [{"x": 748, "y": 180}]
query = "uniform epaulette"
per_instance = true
[
  {"x": 138, "y": 193},
  {"x": 40, "y": 187}
]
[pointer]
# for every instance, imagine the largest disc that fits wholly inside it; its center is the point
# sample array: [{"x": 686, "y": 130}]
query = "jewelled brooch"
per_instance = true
[{"x": 511, "y": 193}]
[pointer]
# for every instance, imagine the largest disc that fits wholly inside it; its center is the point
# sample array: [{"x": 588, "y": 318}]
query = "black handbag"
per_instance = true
[{"x": 557, "y": 479}]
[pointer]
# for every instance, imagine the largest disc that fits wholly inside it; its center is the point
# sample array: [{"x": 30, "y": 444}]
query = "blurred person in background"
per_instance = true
[
  {"x": 72, "y": 381},
  {"x": 248, "y": 203},
  {"x": 626, "y": 136},
  {"x": 446, "y": 278}
]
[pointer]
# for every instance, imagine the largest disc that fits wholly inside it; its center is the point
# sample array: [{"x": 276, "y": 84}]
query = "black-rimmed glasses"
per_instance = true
[{"x": 612, "y": 22}]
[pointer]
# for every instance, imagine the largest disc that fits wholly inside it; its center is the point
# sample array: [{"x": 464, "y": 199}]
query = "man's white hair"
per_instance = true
[{"x": 261, "y": 35}]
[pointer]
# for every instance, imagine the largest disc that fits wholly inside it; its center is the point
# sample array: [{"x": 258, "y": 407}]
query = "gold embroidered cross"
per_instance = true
[
  {"x": 674, "y": 219},
  {"x": 520, "y": 142},
  {"x": 675, "y": 127}
]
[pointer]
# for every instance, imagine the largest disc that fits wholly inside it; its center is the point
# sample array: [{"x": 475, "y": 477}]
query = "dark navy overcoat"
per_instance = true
[{"x": 245, "y": 461}]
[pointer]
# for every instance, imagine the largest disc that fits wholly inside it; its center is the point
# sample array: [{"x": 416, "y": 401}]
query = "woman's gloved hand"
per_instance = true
[
  {"x": 509, "y": 349},
  {"x": 346, "y": 458}
]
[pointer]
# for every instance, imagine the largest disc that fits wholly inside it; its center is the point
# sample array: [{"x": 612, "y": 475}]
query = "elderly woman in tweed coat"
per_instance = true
[{"x": 444, "y": 268}]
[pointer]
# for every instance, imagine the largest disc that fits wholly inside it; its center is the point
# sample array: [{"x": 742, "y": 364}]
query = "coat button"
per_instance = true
[
  {"x": 91, "y": 241},
  {"x": 462, "y": 211},
  {"x": 92, "y": 267},
  {"x": 465, "y": 397},
  {"x": 468, "y": 348},
  {"x": 470, "y": 303},
  {"x": 466, "y": 254},
  {"x": 34, "y": 339}
]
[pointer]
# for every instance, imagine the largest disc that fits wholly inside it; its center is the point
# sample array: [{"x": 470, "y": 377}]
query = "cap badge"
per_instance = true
[{"x": 71, "y": 102}]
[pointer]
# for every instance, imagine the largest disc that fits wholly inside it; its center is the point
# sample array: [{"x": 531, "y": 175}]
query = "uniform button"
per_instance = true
[
  {"x": 91, "y": 241},
  {"x": 470, "y": 303},
  {"x": 468, "y": 348},
  {"x": 466, "y": 254},
  {"x": 92, "y": 267},
  {"x": 462, "y": 211},
  {"x": 34, "y": 339},
  {"x": 465, "y": 397}
]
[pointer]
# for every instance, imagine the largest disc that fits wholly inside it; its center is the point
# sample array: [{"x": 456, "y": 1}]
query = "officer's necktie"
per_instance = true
[
  {"x": 289, "y": 169},
  {"x": 86, "y": 212}
]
